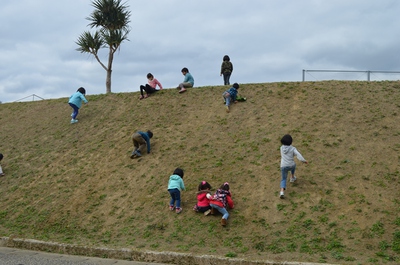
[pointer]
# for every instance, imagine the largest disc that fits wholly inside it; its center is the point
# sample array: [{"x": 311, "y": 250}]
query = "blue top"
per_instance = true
[
  {"x": 77, "y": 99},
  {"x": 189, "y": 79},
  {"x": 176, "y": 182},
  {"x": 147, "y": 139},
  {"x": 233, "y": 92}
]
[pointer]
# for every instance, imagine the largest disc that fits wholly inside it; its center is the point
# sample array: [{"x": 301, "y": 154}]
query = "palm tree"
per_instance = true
[{"x": 111, "y": 18}]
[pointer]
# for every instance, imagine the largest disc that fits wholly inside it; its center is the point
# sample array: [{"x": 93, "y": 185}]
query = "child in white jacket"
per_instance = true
[{"x": 288, "y": 152}]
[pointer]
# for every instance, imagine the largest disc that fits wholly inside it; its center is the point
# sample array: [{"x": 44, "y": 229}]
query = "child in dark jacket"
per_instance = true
[
  {"x": 221, "y": 200},
  {"x": 230, "y": 95},
  {"x": 175, "y": 186},
  {"x": 203, "y": 202},
  {"x": 226, "y": 69}
]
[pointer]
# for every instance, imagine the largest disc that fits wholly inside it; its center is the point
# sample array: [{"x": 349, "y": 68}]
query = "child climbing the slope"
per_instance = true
[
  {"x": 230, "y": 95},
  {"x": 75, "y": 101},
  {"x": 141, "y": 140},
  {"x": 203, "y": 198},
  {"x": 1, "y": 170},
  {"x": 288, "y": 152},
  {"x": 221, "y": 201},
  {"x": 175, "y": 186}
]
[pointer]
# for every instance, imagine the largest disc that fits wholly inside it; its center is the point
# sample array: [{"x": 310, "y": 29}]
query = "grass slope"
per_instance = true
[{"x": 77, "y": 184}]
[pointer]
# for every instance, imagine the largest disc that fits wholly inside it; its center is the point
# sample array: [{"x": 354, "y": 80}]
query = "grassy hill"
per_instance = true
[{"x": 77, "y": 184}]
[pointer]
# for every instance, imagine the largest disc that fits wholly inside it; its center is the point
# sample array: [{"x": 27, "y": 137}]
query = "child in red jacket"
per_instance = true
[
  {"x": 221, "y": 200},
  {"x": 203, "y": 203}
]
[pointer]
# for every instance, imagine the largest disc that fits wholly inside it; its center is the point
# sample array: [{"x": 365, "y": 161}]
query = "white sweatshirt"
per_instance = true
[{"x": 288, "y": 153}]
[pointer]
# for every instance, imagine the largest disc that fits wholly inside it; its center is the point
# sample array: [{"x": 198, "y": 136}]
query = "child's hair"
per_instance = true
[
  {"x": 184, "y": 69},
  {"x": 149, "y": 75},
  {"x": 287, "y": 139},
  {"x": 204, "y": 185},
  {"x": 236, "y": 85},
  {"x": 82, "y": 90},
  {"x": 225, "y": 186},
  {"x": 178, "y": 172},
  {"x": 1, "y": 156},
  {"x": 226, "y": 58},
  {"x": 150, "y": 133}
]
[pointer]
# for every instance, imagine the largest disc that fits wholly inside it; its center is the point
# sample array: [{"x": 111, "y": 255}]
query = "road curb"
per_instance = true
[{"x": 136, "y": 255}]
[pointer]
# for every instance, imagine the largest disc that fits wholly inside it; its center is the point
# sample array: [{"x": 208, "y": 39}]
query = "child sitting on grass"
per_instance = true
[
  {"x": 203, "y": 202},
  {"x": 221, "y": 200},
  {"x": 149, "y": 88}
]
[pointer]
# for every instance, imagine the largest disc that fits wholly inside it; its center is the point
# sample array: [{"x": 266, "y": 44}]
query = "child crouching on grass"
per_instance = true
[
  {"x": 221, "y": 200},
  {"x": 175, "y": 186},
  {"x": 230, "y": 95},
  {"x": 203, "y": 201}
]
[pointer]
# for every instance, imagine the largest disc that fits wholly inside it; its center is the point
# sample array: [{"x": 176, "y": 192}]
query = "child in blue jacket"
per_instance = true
[
  {"x": 230, "y": 95},
  {"x": 140, "y": 141},
  {"x": 75, "y": 101},
  {"x": 175, "y": 186}
]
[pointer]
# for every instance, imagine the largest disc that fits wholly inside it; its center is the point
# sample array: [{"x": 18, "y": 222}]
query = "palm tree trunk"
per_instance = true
[{"x": 109, "y": 71}]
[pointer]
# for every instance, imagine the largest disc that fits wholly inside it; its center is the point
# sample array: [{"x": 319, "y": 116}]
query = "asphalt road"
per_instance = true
[{"x": 13, "y": 256}]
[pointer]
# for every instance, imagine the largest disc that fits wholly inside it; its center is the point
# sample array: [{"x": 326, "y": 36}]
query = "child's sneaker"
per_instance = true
[
  {"x": 146, "y": 96},
  {"x": 293, "y": 179},
  {"x": 74, "y": 121},
  {"x": 171, "y": 208},
  {"x": 282, "y": 195},
  {"x": 141, "y": 97},
  {"x": 178, "y": 210},
  {"x": 207, "y": 212},
  {"x": 223, "y": 222},
  {"x": 182, "y": 90},
  {"x": 227, "y": 108}
]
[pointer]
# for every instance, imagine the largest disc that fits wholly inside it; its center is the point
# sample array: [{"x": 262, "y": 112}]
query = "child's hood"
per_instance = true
[
  {"x": 175, "y": 177},
  {"x": 287, "y": 148}
]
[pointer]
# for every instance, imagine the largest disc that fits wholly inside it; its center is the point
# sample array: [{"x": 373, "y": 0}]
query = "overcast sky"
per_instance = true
[{"x": 267, "y": 41}]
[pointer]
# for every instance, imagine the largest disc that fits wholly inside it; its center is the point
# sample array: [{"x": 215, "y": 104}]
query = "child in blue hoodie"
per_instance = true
[
  {"x": 175, "y": 186},
  {"x": 75, "y": 101}
]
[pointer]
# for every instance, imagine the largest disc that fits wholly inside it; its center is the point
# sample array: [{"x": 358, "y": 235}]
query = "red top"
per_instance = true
[{"x": 202, "y": 200}]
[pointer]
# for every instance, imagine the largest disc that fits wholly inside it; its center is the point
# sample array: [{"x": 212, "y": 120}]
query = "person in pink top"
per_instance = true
[
  {"x": 149, "y": 88},
  {"x": 203, "y": 201}
]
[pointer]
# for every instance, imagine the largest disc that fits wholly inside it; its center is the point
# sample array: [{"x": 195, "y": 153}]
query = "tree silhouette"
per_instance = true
[{"x": 111, "y": 19}]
